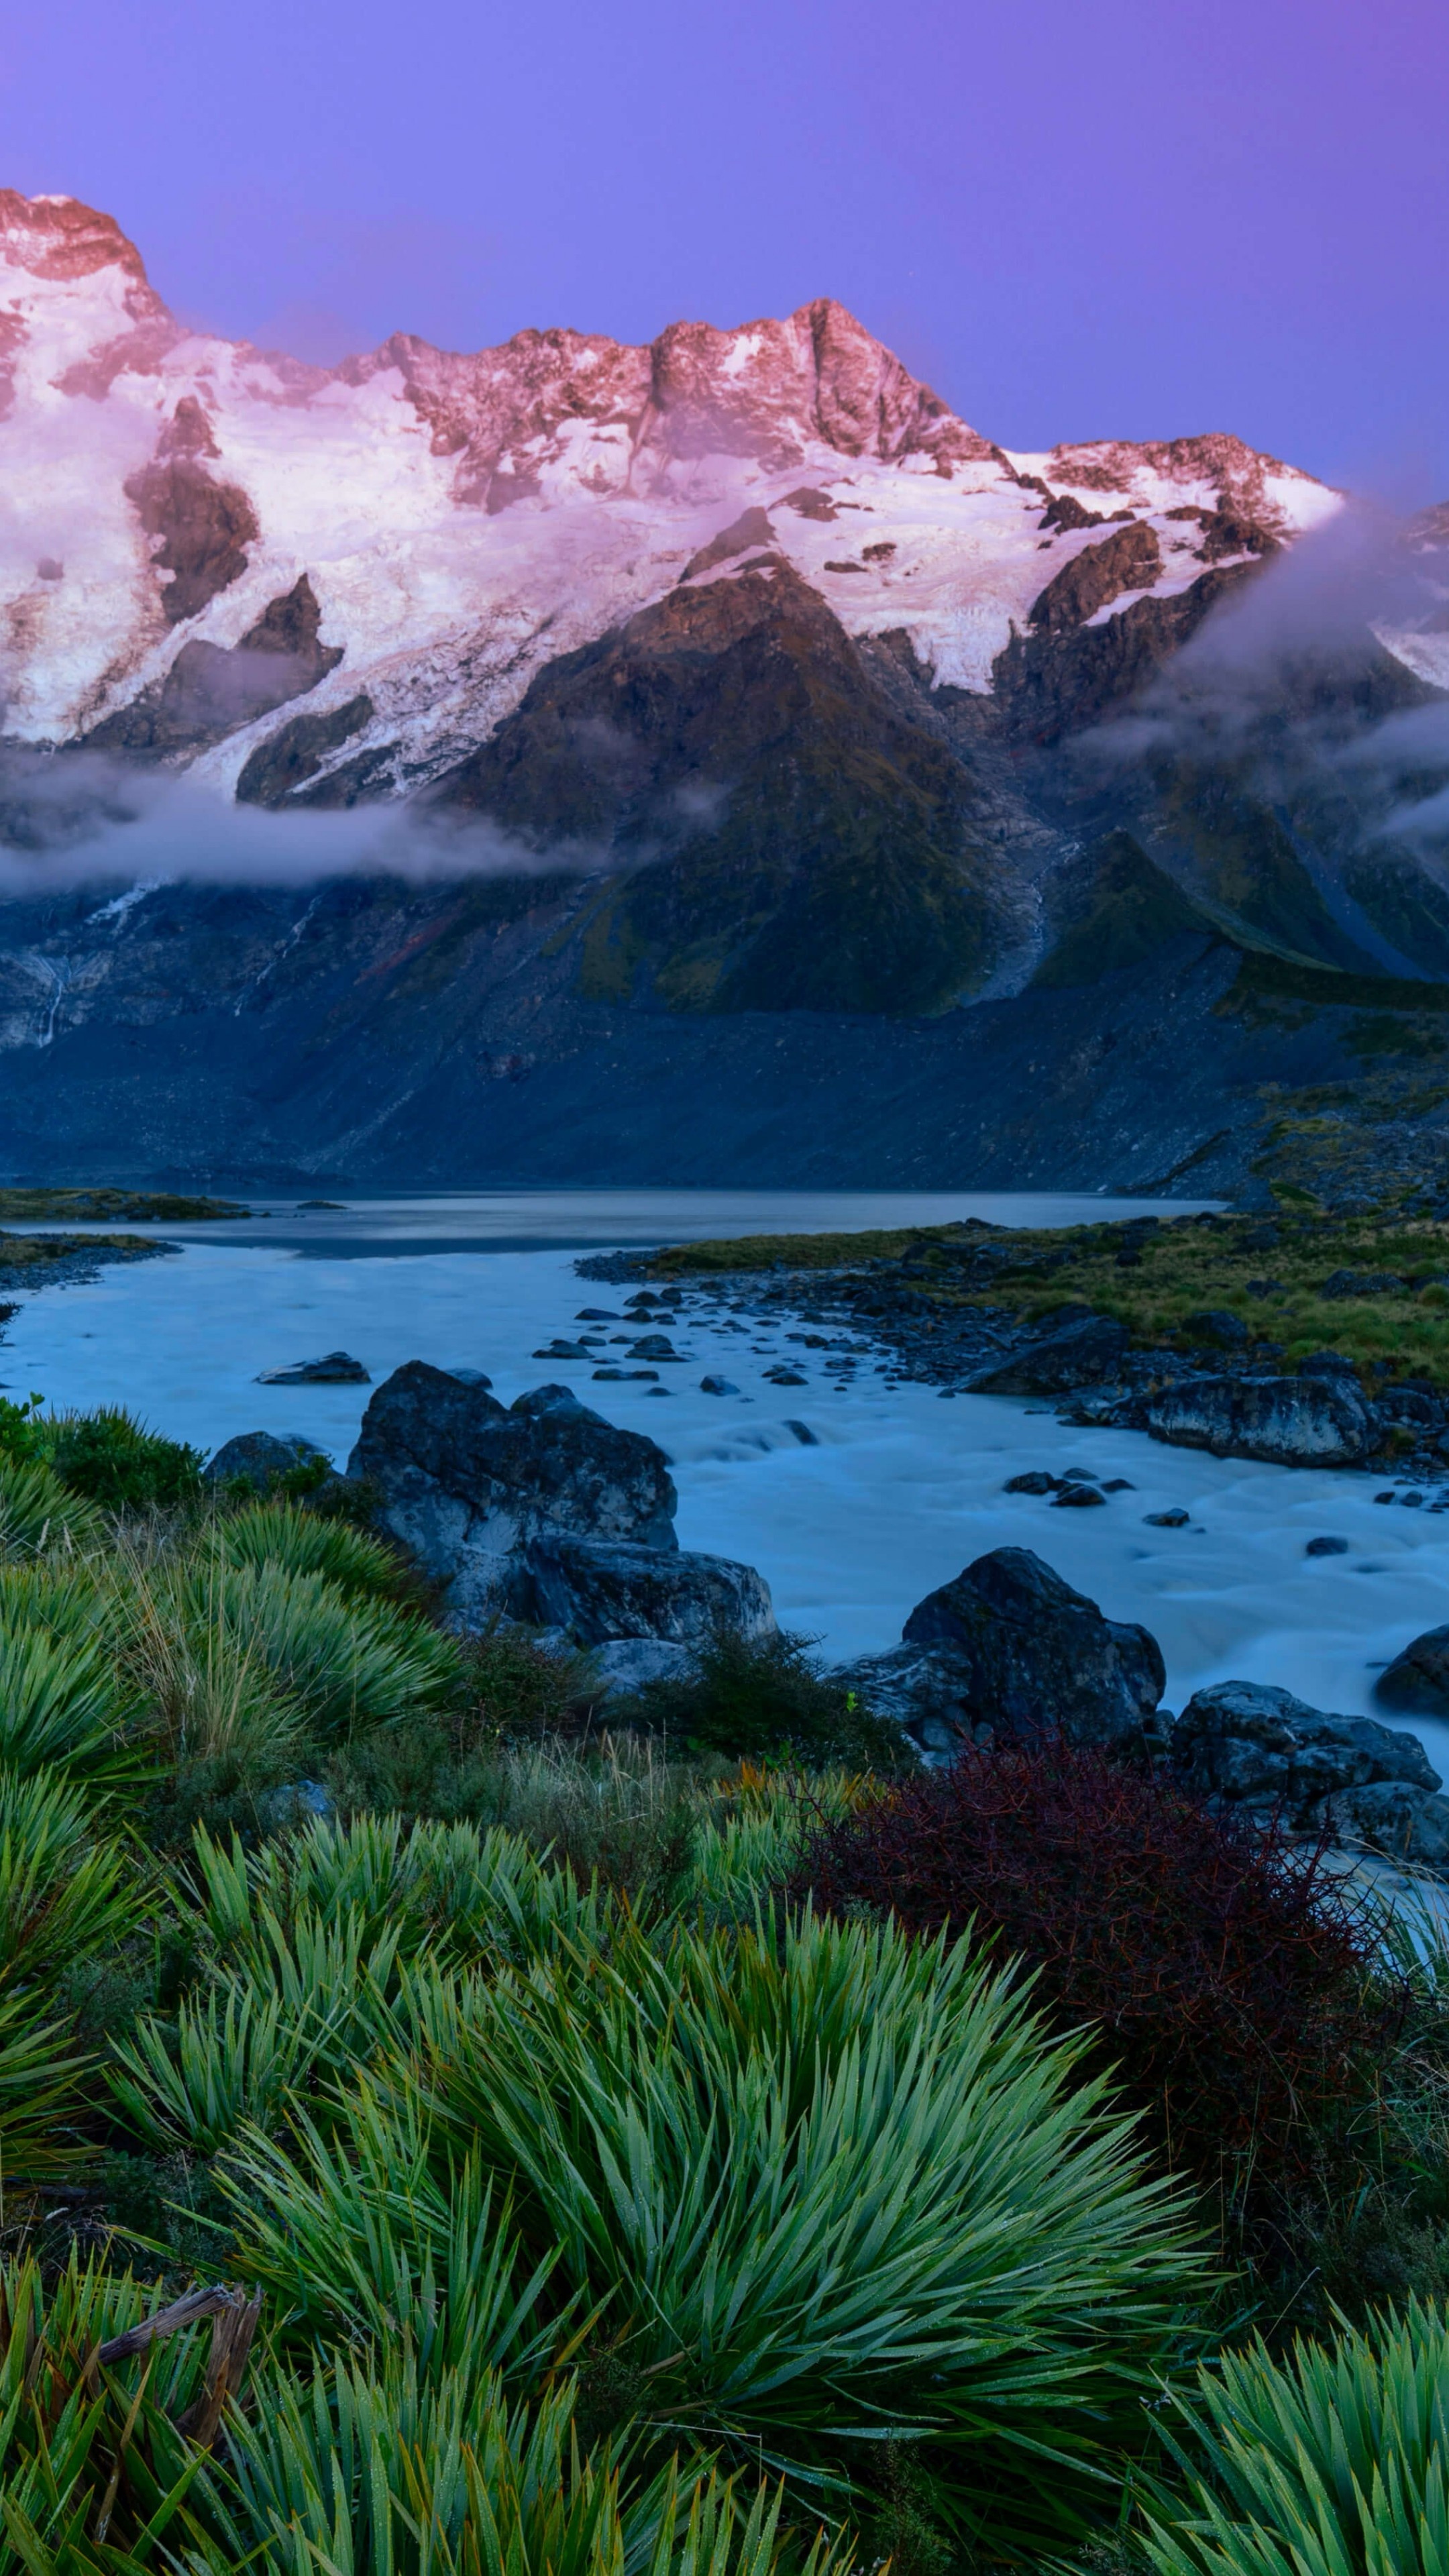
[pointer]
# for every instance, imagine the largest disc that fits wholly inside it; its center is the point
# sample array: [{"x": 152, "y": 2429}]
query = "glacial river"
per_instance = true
[{"x": 900, "y": 1490}]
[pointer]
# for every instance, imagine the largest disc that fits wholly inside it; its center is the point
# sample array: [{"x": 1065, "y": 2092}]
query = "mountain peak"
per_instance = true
[{"x": 59, "y": 238}]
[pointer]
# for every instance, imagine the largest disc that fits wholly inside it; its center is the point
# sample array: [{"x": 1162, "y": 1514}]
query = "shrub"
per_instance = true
[
  {"x": 64, "y": 1889},
  {"x": 341, "y": 1662},
  {"x": 819, "y": 2184},
  {"x": 765, "y": 1699},
  {"x": 1335, "y": 2463},
  {"x": 516, "y": 1689},
  {"x": 1233, "y": 1986},
  {"x": 113, "y": 1460}
]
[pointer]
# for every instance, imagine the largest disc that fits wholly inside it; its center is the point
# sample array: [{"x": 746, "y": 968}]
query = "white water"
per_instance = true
[{"x": 903, "y": 1489}]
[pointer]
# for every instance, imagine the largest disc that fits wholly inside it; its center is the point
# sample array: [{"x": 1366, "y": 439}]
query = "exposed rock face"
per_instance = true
[
  {"x": 1052, "y": 683},
  {"x": 465, "y": 1484},
  {"x": 209, "y": 691},
  {"x": 200, "y": 529},
  {"x": 1288, "y": 1421},
  {"x": 599, "y": 1589},
  {"x": 284, "y": 763},
  {"x": 1417, "y": 1681},
  {"x": 1131, "y": 559},
  {"x": 1036, "y": 1657}
]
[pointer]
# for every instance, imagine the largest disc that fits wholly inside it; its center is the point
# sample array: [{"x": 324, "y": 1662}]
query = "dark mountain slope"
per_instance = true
[{"x": 791, "y": 841}]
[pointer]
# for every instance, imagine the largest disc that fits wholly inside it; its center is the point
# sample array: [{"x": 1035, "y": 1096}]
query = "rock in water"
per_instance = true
[
  {"x": 465, "y": 1484},
  {"x": 1036, "y": 1658},
  {"x": 1287, "y": 1421},
  {"x": 336, "y": 1368},
  {"x": 258, "y": 1456},
  {"x": 1253, "y": 1743},
  {"x": 599, "y": 1589},
  {"x": 1417, "y": 1681}
]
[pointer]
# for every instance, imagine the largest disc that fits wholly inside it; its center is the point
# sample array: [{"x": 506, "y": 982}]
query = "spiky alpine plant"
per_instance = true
[
  {"x": 459, "y": 1888},
  {"x": 299, "y": 1542},
  {"x": 1334, "y": 2462},
  {"x": 69, "y": 1892},
  {"x": 383, "y": 2469},
  {"x": 109, "y": 2402},
  {"x": 818, "y": 2187}
]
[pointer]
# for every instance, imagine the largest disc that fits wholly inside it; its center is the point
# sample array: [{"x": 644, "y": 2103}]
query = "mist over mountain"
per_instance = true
[{"x": 698, "y": 761}]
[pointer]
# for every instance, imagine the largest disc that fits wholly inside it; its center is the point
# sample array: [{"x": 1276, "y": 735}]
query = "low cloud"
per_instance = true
[
  {"x": 1289, "y": 680},
  {"x": 83, "y": 820}
]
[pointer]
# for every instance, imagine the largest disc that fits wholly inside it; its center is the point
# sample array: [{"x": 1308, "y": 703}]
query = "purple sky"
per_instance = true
[{"x": 1093, "y": 217}]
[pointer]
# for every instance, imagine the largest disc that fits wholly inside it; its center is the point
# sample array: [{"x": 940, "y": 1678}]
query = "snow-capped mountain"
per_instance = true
[
  {"x": 408, "y": 539},
  {"x": 733, "y": 737}
]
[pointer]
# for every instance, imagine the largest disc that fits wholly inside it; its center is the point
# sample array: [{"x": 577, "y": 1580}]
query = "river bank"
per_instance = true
[{"x": 894, "y": 1493}]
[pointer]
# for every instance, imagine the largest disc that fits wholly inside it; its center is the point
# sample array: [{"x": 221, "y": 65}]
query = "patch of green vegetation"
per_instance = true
[
  {"x": 35, "y": 1206},
  {"x": 1247, "y": 864},
  {"x": 1326, "y": 985},
  {"x": 1386, "y": 1033},
  {"x": 1267, "y": 1273},
  {"x": 41, "y": 1252},
  {"x": 1407, "y": 905},
  {"x": 1131, "y": 908}
]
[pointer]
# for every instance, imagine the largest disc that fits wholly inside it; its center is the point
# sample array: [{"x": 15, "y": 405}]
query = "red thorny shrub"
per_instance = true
[{"x": 1236, "y": 1989}]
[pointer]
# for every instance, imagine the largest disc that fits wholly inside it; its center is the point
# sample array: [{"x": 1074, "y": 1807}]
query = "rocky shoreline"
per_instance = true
[
  {"x": 546, "y": 1515},
  {"x": 1219, "y": 1388},
  {"x": 29, "y": 1261}
]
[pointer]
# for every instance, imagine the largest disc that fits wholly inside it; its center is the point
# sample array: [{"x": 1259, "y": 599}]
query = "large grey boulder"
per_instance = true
[
  {"x": 255, "y": 1457},
  {"x": 465, "y": 1483},
  {"x": 1287, "y": 1421},
  {"x": 1036, "y": 1658},
  {"x": 1417, "y": 1681},
  {"x": 1256, "y": 1745},
  {"x": 600, "y": 1589}
]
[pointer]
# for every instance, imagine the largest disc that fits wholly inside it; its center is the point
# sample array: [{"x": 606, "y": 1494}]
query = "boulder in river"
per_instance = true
[
  {"x": 1256, "y": 1745},
  {"x": 465, "y": 1483},
  {"x": 1036, "y": 1658},
  {"x": 1286, "y": 1421},
  {"x": 335, "y": 1368},
  {"x": 1417, "y": 1681}
]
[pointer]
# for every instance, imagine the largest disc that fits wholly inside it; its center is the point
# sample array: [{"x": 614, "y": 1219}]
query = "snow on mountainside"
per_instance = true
[{"x": 195, "y": 534}]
